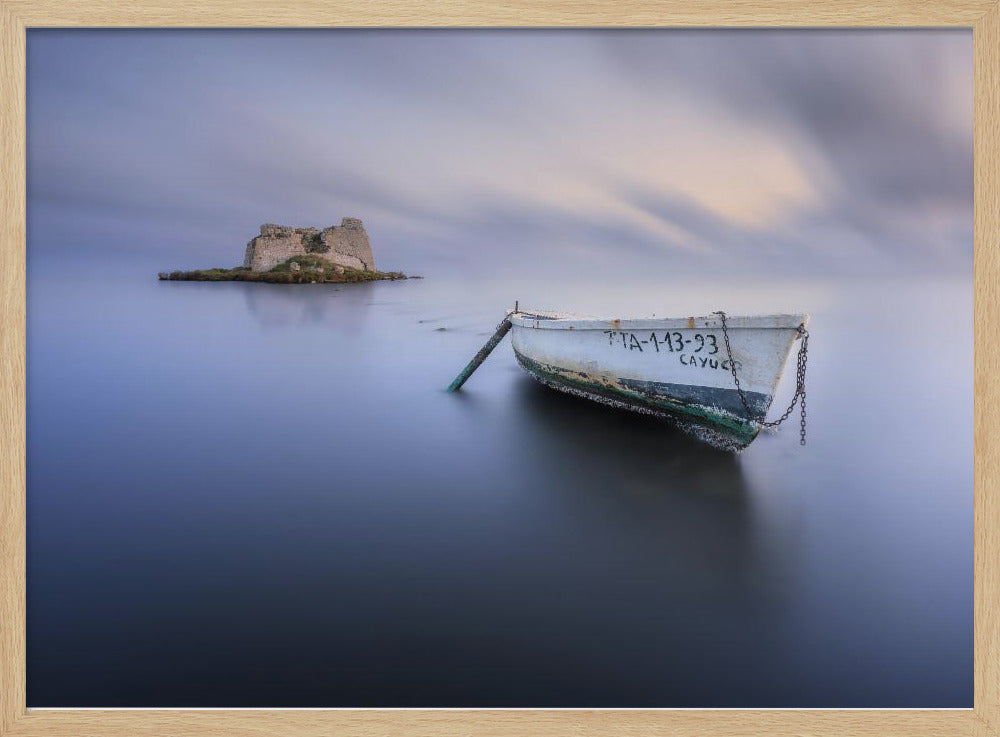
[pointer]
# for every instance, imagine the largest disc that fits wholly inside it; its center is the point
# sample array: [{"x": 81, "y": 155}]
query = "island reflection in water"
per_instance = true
[
  {"x": 258, "y": 495},
  {"x": 277, "y": 306}
]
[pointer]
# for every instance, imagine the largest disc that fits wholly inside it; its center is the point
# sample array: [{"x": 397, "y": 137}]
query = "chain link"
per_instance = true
[{"x": 800, "y": 382}]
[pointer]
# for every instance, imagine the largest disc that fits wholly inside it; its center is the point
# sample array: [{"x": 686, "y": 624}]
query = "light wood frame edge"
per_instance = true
[{"x": 18, "y": 15}]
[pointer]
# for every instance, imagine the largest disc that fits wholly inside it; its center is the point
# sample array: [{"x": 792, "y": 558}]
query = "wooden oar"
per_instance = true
[{"x": 502, "y": 329}]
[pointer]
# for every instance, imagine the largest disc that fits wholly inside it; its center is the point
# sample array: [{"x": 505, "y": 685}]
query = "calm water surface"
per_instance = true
[{"x": 256, "y": 495}]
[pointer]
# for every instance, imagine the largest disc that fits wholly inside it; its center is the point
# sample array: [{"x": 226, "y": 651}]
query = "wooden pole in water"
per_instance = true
[{"x": 502, "y": 329}]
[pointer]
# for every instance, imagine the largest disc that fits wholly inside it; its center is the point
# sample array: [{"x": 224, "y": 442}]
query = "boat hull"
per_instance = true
[{"x": 675, "y": 368}]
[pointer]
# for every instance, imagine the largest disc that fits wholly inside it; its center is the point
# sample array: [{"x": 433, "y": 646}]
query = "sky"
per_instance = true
[{"x": 591, "y": 152}]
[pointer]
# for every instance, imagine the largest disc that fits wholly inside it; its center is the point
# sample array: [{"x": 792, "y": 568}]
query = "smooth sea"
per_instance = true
[{"x": 261, "y": 495}]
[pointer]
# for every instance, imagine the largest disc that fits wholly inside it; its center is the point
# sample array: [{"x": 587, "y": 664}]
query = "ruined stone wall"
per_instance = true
[
  {"x": 349, "y": 245},
  {"x": 275, "y": 244},
  {"x": 346, "y": 245}
]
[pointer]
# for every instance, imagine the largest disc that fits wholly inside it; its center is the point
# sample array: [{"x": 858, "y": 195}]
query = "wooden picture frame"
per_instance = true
[{"x": 16, "y": 16}]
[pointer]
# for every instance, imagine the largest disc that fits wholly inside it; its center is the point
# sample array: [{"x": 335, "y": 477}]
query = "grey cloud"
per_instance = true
[
  {"x": 870, "y": 101},
  {"x": 466, "y": 142}
]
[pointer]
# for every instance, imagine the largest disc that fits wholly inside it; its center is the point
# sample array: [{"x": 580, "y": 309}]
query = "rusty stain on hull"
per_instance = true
[{"x": 707, "y": 422}]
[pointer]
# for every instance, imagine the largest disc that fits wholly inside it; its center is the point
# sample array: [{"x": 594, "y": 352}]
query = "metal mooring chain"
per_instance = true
[{"x": 800, "y": 381}]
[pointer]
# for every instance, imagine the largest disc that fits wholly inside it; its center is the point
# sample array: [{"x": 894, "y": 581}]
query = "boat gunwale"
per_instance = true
[{"x": 558, "y": 321}]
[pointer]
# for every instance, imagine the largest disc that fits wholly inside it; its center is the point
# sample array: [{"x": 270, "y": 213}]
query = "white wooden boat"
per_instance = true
[{"x": 678, "y": 368}]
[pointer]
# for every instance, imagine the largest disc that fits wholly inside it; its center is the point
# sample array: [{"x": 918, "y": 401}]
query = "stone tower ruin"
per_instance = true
[{"x": 346, "y": 245}]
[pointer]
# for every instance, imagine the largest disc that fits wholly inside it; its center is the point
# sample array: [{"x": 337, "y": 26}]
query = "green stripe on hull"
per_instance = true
[{"x": 704, "y": 420}]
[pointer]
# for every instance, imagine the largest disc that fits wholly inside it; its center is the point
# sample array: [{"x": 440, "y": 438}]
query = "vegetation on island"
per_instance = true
[{"x": 307, "y": 269}]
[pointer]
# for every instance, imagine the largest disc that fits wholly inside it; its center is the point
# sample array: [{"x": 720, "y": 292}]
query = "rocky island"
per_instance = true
[{"x": 287, "y": 255}]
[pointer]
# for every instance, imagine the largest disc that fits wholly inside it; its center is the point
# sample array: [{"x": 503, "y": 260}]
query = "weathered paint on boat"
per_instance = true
[{"x": 672, "y": 367}]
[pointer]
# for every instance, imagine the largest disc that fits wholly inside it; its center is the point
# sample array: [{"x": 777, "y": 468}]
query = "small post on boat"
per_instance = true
[{"x": 502, "y": 329}]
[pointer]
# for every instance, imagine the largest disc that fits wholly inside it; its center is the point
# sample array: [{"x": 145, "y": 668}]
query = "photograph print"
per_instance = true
[{"x": 499, "y": 368}]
